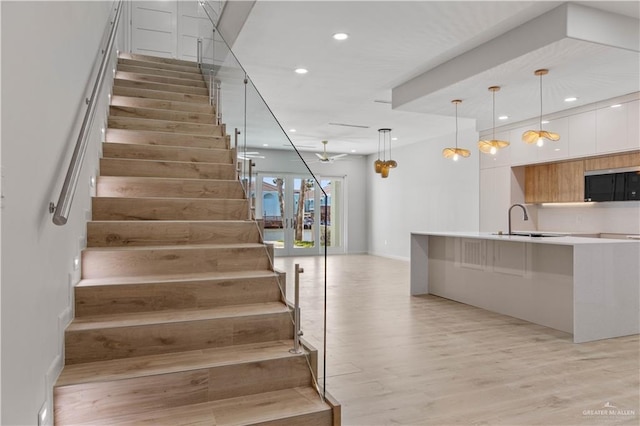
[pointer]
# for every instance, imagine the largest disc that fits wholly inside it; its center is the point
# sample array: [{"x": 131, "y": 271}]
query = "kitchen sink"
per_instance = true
[{"x": 529, "y": 234}]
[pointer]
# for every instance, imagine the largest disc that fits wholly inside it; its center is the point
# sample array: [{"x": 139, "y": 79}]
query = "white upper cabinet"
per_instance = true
[
  {"x": 555, "y": 150},
  {"x": 582, "y": 134},
  {"x": 612, "y": 129},
  {"x": 522, "y": 153},
  {"x": 633, "y": 122}
]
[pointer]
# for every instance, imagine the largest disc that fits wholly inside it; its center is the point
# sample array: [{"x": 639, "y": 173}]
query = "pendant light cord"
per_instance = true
[
  {"x": 494, "y": 114},
  {"x": 541, "y": 101},
  {"x": 456, "y": 126}
]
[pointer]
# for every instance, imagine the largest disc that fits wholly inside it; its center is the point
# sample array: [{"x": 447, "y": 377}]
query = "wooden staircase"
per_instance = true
[{"x": 179, "y": 318}]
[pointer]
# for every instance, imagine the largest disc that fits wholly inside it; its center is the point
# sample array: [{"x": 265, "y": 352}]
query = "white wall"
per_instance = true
[
  {"x": 49, "y": 55},
  {"x": 425, "y": 193},
  {"x": 352, "y": 168}
]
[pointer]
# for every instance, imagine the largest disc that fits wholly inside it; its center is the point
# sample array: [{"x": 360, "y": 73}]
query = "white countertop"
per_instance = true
[{"x": 564, "y": 240}]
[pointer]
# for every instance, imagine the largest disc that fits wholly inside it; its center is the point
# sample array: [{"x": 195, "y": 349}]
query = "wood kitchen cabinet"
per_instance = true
[
  {"x": 561, "y": 182},
  {"x": 628, "y": 159}
]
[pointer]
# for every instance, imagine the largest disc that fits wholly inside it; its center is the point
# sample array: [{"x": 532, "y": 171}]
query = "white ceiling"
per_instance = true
[{"x": 392, "y": 42}]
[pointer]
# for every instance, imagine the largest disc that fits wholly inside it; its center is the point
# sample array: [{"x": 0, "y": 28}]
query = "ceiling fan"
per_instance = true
[{"x": 324, "y": 158}]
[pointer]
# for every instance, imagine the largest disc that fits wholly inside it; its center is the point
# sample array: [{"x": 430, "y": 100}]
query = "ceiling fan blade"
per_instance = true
[
  {"x": 333, "y": 157},
  {"x": 320, "y": 156}
]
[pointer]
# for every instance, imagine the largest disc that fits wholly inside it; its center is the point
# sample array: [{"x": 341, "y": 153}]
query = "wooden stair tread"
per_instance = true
[
  {"x": 180, "y": 247},
  {"x": 201, "y": 163},
  {"x": 169, "y": 279},
  {"x": 143, "y": 69},
  {"x": 164, "y": 126},
  {"x": 164, "y": 114},
  {"x": 158, "y": 60},
  {"x": 182, "y": 315},
  {"x": 160, "y": 66},
  {"x": 202, "y": 92},
  {"x": 162, "y": 104},
  {"x": 133, "y": 135},
  {"x": 126, "y": 368},
  {"x": 160, "y": 179},
  {"x": 132, "y": 151},
  {"x": 270, "y": 408},
  {"x": 168, "y": 187},
  {"x": 154, "y": 78},
  {"x": 157, "y": 94}
]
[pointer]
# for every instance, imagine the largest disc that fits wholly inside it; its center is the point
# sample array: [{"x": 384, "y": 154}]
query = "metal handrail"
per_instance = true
[{"x": 62, "y": 208}]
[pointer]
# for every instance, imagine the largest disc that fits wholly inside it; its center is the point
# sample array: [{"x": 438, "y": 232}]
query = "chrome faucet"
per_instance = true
[{"x": 525, "y": 215}]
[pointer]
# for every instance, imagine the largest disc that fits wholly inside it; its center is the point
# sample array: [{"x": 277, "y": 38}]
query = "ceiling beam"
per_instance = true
[{"x": 566, "y": 21}]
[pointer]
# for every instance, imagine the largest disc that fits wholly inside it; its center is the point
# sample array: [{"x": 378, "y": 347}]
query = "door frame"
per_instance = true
[{"x": 289, "y": 214}]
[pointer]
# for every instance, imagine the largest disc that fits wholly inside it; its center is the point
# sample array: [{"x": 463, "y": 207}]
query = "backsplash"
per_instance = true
[{"x": 609, "y": 217}]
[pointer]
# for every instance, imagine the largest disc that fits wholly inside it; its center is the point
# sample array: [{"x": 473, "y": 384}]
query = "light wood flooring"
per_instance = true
[{"x": 397, "y": 359}]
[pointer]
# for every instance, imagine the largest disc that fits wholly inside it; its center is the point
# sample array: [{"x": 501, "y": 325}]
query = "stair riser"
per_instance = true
[
  {"x": 108, "y": 186},
  {"x": 160, "y": 72},
  {"x": 88, "y": 402},
  {"x": 161, "y": 114},
  {"x": 322, "y": 418},
  {"x": 166, "y": 169},
  {"x": 161, "y": 153},
  {"x": 200, "y": 84},
  {"x": 145, "y": 262},
  {"x": 137, "y": 233},
  {"x": 169, "y": 209},
  {"x": 154, "y": 61},
  {"x": 126, "y": 342},
  {"x": 163, "y": 87},
  {"x": 166, "y": 139},
  {"x": 128, "y": 101},
  {"x": 133, "y": 123},
  {"x": 130, "y": 298},
  {"x": 160, "y": 95}
]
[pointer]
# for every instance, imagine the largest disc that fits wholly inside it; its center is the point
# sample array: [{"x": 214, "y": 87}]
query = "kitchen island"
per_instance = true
[{"x": 589, "y": 287}]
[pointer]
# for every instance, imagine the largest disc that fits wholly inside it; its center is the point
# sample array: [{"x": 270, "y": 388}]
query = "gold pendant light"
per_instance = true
[
  {"x": 385, "y": 165},
  {"x": 456, "y": 153},
  {"x": 493, "y": 145},
  {"x": 538, "y": 136},
  {"x": 377, "y": 165}
]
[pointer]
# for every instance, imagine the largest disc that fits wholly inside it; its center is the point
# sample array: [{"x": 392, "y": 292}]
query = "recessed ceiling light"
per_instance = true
[
  {"x": 341, "y": 36},
  {"x": 353, "y": 150},
  {"x": 503, "y": 117},
  {"x": 570, "y": 99},
  {"x": 265, "y": 144},
  {"x": 292, "y": 130},
  {"x": 302, "y": 70},
  {"x": 545, "y": 121},
  {"x": 394, "y": 139},
  {"x": 616, "y": 106},
  {"x": 557, "y": 149}
]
